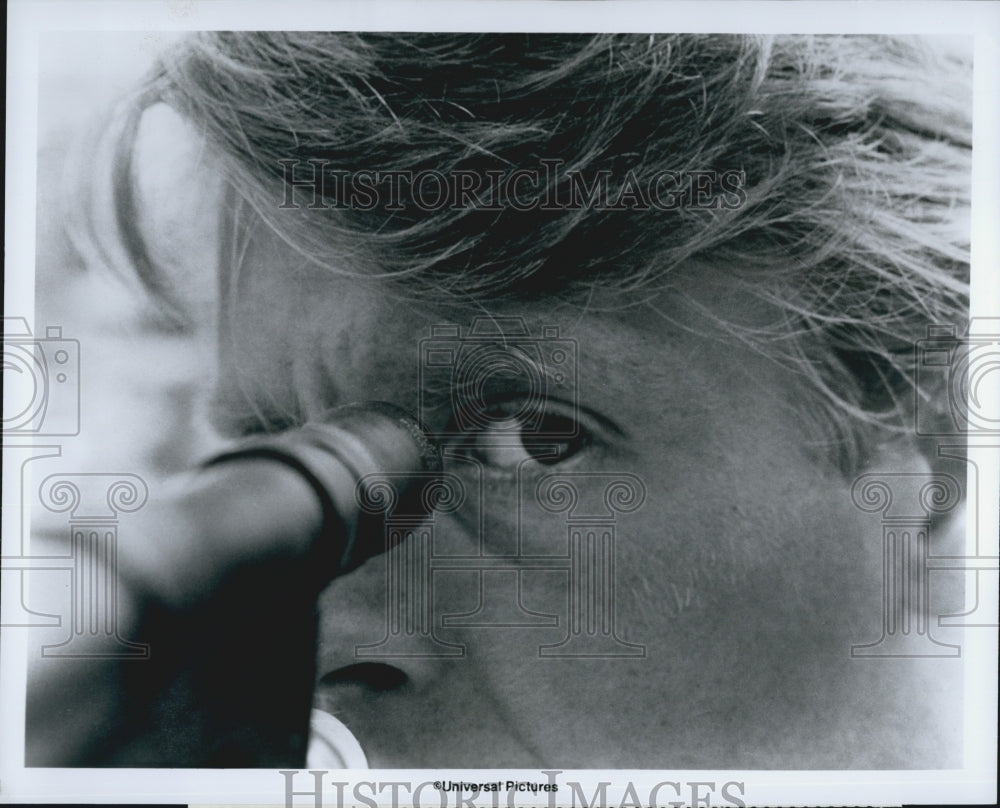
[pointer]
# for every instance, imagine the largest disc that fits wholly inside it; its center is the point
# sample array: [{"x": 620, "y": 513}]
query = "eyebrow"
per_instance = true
[{"x": 510, "y": 358}]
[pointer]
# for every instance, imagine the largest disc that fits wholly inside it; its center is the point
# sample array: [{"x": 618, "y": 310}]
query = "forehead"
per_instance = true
[{"x": 297, "y": 340}]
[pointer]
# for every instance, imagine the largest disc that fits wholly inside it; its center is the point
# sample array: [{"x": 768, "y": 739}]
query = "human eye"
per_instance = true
[{"x": 507, "y": 436}]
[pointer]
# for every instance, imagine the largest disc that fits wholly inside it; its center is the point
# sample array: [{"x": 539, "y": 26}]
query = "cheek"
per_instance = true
[
  {"x": 754, "y": 602},
  {"x": 706, "y": 541}
]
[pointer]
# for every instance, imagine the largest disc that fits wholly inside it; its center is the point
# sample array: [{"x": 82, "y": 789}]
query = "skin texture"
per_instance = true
[{"x": 746, "y": 575}]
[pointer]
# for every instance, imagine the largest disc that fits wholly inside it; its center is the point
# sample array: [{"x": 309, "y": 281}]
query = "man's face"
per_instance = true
[{"x": 691, "y": 604}]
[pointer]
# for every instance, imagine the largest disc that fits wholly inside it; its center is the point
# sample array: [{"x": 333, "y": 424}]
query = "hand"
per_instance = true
[{"x": 220, "y": 579}]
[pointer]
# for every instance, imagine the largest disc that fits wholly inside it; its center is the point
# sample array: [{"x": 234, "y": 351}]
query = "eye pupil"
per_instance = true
[
  {"x": 547, "y": 443},
  {"x": 510, "y": 436},
  {"x": 550, "y": 453}
]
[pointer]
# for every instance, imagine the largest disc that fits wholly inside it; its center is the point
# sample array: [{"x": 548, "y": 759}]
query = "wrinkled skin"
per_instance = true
[
  {"x": 746, "y": 575},
  {"x": 741, "y": 582}
]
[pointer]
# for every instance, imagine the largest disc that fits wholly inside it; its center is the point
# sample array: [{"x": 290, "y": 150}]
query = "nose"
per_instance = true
[
  {"x": 371, "y": 671},
  {"x": 396, "y": 675},
  {"x": 363, "y": 632}
]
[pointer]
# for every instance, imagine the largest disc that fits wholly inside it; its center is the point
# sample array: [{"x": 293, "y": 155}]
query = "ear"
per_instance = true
[
  {"x": 901, "y": 454},
  {"x": 911, "y": 462}
]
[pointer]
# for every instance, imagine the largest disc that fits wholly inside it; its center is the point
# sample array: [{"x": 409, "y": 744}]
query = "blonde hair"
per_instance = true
[{"x": 853, "y": 153}]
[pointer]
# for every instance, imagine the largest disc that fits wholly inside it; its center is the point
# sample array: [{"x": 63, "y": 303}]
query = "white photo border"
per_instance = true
[{"x": 29, "y": 20}]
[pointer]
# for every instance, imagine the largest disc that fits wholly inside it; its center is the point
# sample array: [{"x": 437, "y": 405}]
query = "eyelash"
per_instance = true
[{"x": 508, "y": 437}]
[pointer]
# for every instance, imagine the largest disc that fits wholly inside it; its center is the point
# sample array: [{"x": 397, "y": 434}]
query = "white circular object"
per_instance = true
[{"x": 331, "y": 745}]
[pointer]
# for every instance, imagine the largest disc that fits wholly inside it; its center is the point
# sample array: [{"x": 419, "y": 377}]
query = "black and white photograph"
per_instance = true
[{"x": 443, "y": 405}]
